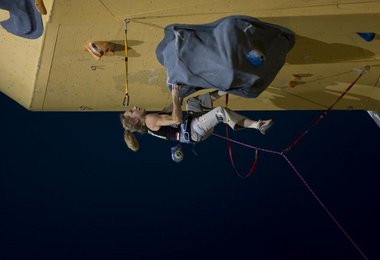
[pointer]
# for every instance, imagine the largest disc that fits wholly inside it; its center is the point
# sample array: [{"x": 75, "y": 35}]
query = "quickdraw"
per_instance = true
[{"x": 126, "y": 96}]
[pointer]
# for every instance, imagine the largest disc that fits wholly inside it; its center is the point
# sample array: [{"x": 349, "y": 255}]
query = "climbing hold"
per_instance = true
[{"x": 367, "y": 36}]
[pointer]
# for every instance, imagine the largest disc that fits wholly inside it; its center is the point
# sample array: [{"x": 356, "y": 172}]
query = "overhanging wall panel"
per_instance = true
[
  {"x": 76, "y": 80},
  {"x": 19, "y": 61},
  {"x": 326, "y": 51}
]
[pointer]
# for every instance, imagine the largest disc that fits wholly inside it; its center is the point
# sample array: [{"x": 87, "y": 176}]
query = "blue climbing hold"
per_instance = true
[{"x": 368, "y": 36}]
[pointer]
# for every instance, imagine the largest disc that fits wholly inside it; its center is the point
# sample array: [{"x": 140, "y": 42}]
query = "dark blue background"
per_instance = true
[{"x": 71, "y": 189}]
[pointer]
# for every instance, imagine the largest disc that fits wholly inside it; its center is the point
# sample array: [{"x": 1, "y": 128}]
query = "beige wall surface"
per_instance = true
[
  {"x": 19, "y": 61},
  {"x": 53, "y": 73}
]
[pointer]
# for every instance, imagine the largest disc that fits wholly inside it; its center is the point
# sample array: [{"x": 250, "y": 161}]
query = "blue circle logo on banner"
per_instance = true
[{"x": 255, "y": 57}]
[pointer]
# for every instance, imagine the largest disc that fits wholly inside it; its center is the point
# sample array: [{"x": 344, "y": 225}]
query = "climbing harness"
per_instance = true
[
  {"x": 184, "y": 133},
  {"x": 184, "y": 137}
]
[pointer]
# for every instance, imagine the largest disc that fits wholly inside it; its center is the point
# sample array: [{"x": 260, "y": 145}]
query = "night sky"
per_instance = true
[{"x": 71, "y": 189}]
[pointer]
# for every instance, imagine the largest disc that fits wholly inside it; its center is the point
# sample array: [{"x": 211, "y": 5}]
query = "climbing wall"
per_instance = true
[
  {"x": 54, "y": 73},
  {"x": 19, "y": 61}
]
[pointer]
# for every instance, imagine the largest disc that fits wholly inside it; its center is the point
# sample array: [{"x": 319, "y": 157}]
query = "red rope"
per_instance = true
[
  {"x": 253, "y": 166},
  {"x": 298, "y": 139},
  {"x": 247, "y": 145},
  {"x": 230, "y": 153},
  {"x": 301, "y": 178},
  {"x": 325, "y": 208},
  {"x": 322, "y": 116}
]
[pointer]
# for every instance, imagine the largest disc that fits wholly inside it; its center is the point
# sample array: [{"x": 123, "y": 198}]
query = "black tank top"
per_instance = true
[
  {"x": 166, "y": 132},
  {"x": 170, "y": 132}
]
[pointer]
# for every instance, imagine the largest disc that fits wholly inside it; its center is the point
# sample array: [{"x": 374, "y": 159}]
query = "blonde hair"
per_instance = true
[
  {"x": 129, "y": 129},
  {"x": 131, "y": 141}
]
